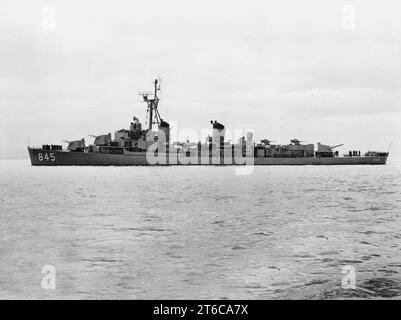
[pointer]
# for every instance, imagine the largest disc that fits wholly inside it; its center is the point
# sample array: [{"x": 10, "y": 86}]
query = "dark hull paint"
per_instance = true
[{"x": 41, "y": 157}]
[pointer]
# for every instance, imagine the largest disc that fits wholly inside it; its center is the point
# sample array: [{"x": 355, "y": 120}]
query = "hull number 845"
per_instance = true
[{"x": 46, "y": 156}]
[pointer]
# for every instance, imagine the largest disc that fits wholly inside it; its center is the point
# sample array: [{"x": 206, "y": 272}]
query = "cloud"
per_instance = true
[{"x": 257, "y": 64}]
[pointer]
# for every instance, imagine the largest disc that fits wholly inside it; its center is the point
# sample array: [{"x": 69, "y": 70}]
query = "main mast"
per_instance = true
[{"x": 152, "y": 102}]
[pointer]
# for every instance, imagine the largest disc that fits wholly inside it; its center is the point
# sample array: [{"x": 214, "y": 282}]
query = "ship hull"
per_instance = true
[{"x": 41, "y": 157}]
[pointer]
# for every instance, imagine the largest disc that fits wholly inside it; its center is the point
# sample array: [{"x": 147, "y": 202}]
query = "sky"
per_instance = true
[{"x": 318, "y": 71}]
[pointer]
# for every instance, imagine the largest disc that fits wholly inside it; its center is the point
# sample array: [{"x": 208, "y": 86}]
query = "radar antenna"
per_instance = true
[{"x": 152, "y": 101}]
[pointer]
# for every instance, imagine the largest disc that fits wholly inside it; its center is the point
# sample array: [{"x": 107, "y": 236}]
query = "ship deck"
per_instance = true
[{"x": 43, "y": 157}]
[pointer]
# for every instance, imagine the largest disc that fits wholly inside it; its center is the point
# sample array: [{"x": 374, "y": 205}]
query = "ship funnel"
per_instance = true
[
  {"x": 164, "y": 129},
  {"x": 218, "y": 133}
]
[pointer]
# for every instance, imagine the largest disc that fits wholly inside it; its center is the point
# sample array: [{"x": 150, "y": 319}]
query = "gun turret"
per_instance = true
[{"x": 76, "y": 145}]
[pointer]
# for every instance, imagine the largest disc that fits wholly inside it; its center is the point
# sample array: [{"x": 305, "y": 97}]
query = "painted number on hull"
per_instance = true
[{"x": 46, "y": 157}]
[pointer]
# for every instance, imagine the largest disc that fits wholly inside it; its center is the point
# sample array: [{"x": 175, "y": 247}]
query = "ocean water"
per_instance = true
[{"x": 200, "y": 232}]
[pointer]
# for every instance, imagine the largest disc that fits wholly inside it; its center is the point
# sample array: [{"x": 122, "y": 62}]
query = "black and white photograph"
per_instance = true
[{"x": 200, "y": 151}]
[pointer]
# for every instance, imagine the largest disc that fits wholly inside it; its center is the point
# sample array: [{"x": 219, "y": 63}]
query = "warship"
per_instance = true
[{"x": 139, "y": 146}]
